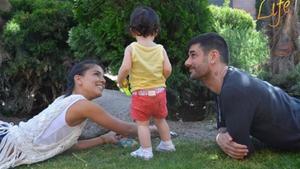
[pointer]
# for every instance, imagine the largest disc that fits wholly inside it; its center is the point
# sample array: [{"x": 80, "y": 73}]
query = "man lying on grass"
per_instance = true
[{"x": 247, "y": 107}]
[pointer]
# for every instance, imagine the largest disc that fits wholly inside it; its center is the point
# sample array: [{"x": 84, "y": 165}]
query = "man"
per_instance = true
[{"x": 247, "y": 107}]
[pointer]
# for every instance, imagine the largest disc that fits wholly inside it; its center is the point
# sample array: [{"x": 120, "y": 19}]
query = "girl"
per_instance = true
[
  {"x": 58, "y": 127},
  {"x": 148, "y": 67}
]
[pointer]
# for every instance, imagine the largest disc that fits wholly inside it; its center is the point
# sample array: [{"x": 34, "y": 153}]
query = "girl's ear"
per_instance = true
[{"x": 78, "y": 79}]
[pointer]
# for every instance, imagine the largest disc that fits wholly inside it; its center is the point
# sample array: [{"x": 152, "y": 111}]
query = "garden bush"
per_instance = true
[
  {"x": 102, "y": 32},
  {"x": 103, "y": 27},
  {"x": 238, "y": 19},
  {"x": 35, "y": 37},
  {"x": 289, "y": 82},
  {"x": 248, "y": 47}
]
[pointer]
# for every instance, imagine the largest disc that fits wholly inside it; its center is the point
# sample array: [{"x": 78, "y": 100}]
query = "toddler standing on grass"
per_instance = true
[{"x": 148, "y": 67}]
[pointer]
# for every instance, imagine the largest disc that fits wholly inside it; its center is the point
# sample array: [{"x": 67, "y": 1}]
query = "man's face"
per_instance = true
[{"x": 197, "y": 62}]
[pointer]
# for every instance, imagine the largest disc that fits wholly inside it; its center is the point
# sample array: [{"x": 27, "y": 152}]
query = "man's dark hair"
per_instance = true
[
  {"x": 210, "y": 41},
  {"x": 144, "y": 21}
]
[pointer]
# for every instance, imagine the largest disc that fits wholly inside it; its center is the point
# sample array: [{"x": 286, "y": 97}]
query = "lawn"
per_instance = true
[{"x": 189, "y": 155}]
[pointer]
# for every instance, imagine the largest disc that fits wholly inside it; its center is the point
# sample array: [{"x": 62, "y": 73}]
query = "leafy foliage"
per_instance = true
[
  {"x": 102, "y": 29},
  {"x": 248, "y": 47},
  {"x": 35, "y": 36},
  {"x": 289, "y": 82},
  {"x": 238, "y": 19}
]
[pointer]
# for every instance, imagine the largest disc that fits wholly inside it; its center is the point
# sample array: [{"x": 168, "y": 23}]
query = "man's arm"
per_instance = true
[
  {"x": 238, "y": 113},
  {"x": 231, "y": 148}
]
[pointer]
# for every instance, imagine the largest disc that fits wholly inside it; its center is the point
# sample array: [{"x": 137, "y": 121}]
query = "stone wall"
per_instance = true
[
  {"x": 247, "y": 5},
  {"x": 216, "y": 2},
  {"x": 5, "y": 5}
]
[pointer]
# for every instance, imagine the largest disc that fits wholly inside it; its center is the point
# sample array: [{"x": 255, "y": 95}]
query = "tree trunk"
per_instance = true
[
  {"x": 4, "y": 5},
  {"x": 283, "y": 41},
  {"x": 3, "y": 54}
]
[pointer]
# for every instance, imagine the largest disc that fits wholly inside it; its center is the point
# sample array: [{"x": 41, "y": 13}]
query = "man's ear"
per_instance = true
[
  {"x": 214, "y": 55},
  {"x": 78, "y": 79}
]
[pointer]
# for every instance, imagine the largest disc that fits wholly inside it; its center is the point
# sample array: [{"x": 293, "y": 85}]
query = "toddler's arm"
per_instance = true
[
  {"x": 167, "y": 65},
  {"x": 125, "y": 67}
]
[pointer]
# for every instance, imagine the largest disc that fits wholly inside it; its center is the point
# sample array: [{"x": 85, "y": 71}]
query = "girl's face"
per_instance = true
[{"x": 92, "y": 82}]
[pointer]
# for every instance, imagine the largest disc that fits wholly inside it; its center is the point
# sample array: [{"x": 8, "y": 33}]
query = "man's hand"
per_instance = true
[{"x": 231, "y": 148}]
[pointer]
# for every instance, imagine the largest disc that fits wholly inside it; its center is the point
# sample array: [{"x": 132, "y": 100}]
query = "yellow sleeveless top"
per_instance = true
[{"x": 147, "y": 67}]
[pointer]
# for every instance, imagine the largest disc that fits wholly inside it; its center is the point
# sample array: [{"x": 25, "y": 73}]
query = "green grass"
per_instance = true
[{"x": 189, "y": 155}]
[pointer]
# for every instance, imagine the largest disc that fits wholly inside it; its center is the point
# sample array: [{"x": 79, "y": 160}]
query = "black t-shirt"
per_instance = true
[{"x": 249, "y": 106}]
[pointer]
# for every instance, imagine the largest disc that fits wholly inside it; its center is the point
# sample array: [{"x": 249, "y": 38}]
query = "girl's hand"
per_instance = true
[{"x": 110, "y": 138}]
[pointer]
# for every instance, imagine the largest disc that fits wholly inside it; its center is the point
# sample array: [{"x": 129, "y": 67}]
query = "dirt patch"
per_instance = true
[{"x": 205, "y": 130}]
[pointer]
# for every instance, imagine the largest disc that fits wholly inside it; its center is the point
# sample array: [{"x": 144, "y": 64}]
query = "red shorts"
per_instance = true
[{"x": 144, "y": 106}]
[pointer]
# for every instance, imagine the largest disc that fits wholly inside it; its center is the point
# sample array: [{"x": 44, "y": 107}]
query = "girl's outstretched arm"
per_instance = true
[
  {"x": 110, "y": 137},
  {"x": 83, "y": 109}
]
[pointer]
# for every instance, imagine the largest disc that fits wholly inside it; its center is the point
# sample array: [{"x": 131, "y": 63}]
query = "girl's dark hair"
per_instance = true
[
  {"x": 144, "y": 21},
  {"x": 78, "y": 69}
]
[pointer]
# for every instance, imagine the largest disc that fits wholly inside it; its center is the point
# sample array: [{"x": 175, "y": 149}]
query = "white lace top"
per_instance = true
[
  {"x": 56, "y": 131},
  {"x": 21, "y": 139}
]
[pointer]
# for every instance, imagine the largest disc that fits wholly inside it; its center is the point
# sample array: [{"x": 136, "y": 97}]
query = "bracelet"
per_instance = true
[
  {"x": 222, "y": 130},
  {"x": 102, "y": 139},
  {"x": 217, "y": 137}
]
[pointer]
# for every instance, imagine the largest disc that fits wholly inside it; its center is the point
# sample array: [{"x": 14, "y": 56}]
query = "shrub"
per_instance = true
[
  {"x": 289, "y": 82},
  {"x": 248, "y": 48},
  {"x": 102, "y": 32},
  {"x": 102, "y": 29},
  {"x": 238, "y": 19},
  {"x": 35, "y": 36}
]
